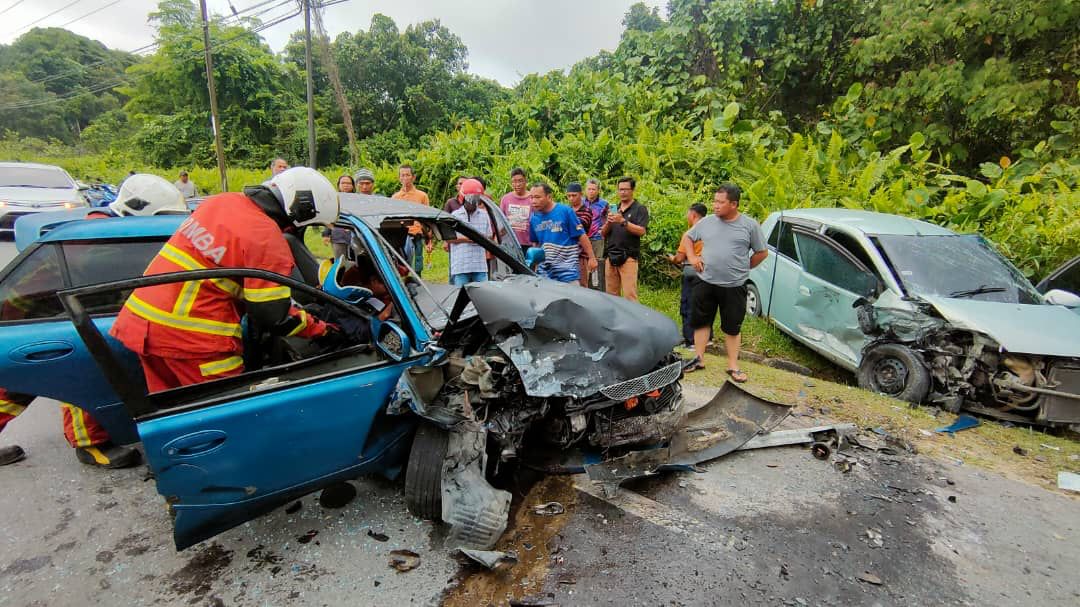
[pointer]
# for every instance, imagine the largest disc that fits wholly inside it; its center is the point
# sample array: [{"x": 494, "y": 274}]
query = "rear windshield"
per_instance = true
[
  {"x": 958, "y": 265},
  {"x": 34, "y": 177}
]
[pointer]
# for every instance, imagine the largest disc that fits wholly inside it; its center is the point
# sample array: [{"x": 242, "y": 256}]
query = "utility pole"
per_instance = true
[
  {"x": 215, "y": 123},
  {"x": 310, "y": 85}
]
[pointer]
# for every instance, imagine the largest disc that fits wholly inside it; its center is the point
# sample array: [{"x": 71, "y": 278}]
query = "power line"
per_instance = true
[
  {"x": 153, "y": 45},
  {"x": 96, "y": 10},
  {"x": 17, "y": 3},
  {"x": 99, "y": 88},
  {"x": 61, "y": 9}
]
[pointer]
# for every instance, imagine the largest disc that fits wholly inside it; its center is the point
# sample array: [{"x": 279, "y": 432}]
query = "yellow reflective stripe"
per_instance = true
[
  {"x": 181, "y": 258},
  {"x": 267, "y": 294},
  {"x": 186, "y": 323},
  {"x": 221, "y": 366},
  {"x": 78, "y": 425},
  {"x": 11, "y": 408},
  {"x": 303, "y": 323},
  {"x": 188, "y": 293},
  {"x": 187, "y": 262},
  {"x": 98, "y": 456}
]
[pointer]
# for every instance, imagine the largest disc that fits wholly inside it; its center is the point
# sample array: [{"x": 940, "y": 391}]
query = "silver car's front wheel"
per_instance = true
[{"x": 753, "y": 300}]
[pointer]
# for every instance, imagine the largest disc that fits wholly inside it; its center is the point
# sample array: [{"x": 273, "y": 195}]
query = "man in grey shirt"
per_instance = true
[{"x": 731, "y": 244}]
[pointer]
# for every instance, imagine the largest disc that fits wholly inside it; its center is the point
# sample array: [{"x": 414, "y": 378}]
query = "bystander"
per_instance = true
[
  {"x": 517, "y": 206},
  {"x": 417, "y": 241},
  {"x": 556, "y": 229},
  {"x": 622, "y": 232}
]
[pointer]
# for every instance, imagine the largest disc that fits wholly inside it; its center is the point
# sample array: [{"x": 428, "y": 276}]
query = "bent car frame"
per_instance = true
[
  {"x": 448, "y": 385},
  {"x": 921, "y": 313}
]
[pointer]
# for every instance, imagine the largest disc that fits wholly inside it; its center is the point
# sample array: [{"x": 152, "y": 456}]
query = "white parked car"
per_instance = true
[{"x": 31, "y": 188}]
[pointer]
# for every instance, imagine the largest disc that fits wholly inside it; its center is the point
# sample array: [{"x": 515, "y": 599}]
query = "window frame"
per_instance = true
[
  {"x": 843, "y": 253},
  {"x": 18, "y": 263}
]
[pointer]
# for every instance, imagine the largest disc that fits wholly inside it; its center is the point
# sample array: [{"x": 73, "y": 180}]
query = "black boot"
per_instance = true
[
  {"x": 108, "y": 455},
  {"x": 10, "y": 455}
]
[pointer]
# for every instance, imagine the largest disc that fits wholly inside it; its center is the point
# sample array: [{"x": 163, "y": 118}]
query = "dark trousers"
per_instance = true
[{"x": 685, "y": 307}]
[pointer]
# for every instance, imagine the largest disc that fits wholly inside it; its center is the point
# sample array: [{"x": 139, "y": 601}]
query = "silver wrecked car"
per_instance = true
[{"x": 921, "y": 313}]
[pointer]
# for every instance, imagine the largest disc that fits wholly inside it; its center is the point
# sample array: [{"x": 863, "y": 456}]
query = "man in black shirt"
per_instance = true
[{"x": 625, "y": 226}]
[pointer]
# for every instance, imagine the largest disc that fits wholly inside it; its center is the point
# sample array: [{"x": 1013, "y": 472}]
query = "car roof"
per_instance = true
[
  {"x": 117, "y": 227},
  {"x": 373, "y": 209},
  {"x": 32, "y": 165},
  {"x": 870, "y": 222}
]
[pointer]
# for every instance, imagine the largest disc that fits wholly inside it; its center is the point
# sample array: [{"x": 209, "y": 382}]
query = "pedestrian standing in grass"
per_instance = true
[
  {"x": 186, "y": 186},
  {"x": 338, "y": 238},
  {"x": 417, "y": 239},
  {"x": 517, "y": 206},
  {"x": 625, "y": 226},
  {"x": 365, "y": 182},
  {"x": 468, "y": 260},
  {"x": 599, "y": 209},
  {"x": 454, "y": 202},
  {"x": 732, "y": 245},
  {"x": 577, "y": 204},
  {"x": 556, "y": 229},
  {"x": 690, "y": 276}
]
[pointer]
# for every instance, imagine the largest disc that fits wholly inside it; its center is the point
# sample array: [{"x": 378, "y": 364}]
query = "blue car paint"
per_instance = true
[
  {"x": 67, "y": 225},
  {"x": 241, "y": 455}
]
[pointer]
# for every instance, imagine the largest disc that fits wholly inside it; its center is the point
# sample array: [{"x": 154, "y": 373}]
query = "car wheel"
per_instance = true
[
  {"x": 753, "y": 300},
  {"x": 895, "y": 370},
  {"x": 423, "y": 475}
]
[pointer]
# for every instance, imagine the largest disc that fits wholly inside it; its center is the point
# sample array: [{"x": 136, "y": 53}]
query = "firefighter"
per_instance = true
[
  {"x": 141, "y": 194},
  {"x": 186, "y": 333}
]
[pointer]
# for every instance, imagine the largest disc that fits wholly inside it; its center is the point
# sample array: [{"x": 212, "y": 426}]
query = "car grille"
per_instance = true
[
  {"x": 646, "y": 383},
  {"x": 1059, "y": 409}
]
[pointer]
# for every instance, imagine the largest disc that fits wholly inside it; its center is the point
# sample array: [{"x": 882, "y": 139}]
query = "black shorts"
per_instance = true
[{"x": 707, "y": 298}]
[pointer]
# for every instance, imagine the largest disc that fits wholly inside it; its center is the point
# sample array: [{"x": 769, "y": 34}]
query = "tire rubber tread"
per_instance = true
[{"x": 423, "y": 475}]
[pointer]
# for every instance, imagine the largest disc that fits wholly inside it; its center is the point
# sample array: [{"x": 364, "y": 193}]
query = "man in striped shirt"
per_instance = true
[{"x": 557, "y": 229}]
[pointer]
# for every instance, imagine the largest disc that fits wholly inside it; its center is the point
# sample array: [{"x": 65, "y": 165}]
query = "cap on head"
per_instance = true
[
  {"x": 364, "y": 175},
  {"x": 573, "y": 187},
  {"x": 145, "y": 194},
  {"x": 307, "y": 196},
  {"x": 471, "y": 186}
]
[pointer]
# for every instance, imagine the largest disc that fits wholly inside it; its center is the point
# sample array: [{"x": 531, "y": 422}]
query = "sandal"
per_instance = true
[
  {"x": 737, "y": 376},
  {"x": 694, "y": 364}
]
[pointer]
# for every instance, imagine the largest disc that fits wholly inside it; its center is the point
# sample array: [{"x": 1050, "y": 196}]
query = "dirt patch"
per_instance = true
[
  {"x": 30, "y": 565},
  {"x": 66, "y": 516},
  {"x": 134, "y": 545},
  {"x": 988, "y": 446},
  {"x": 198, "y": 575},
  {"x": 534, "y": 538}
]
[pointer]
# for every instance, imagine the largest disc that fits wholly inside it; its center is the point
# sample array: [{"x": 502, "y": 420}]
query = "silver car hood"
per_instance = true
[
  {"x": 1022, "y": 328},
  {"x": 32, "y": 195}
]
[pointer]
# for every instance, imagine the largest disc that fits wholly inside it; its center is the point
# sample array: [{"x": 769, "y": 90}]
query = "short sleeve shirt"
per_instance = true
[
  {"x": 557, "y": 232},
  {"x": 727, "y": 246},
  {"x": 517, "y": 209},
  {"x": 467, "y": 257},
  {"x": 619, "y": 238},
  {"x": 599, "y": 210},
  {"x": 417, "y": 196}
]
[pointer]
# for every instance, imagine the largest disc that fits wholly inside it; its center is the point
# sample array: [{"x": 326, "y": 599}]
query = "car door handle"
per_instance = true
[
  {"x": 804, "y": 291},
  {"x": 196, "y": 443},
  {"x": 41, "y": 351}
]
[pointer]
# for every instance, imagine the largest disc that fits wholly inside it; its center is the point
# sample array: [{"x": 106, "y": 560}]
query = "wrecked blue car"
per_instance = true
[{"x": 448, "y": 385}]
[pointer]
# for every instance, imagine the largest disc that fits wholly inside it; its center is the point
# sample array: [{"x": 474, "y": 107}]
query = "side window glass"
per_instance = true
[
  {"x": 774, "y": 234},
  {"x": 787, "y": 242},
  {"x": 1069, "y": 280},
  {"x": 29, "y": 291},
  {"x": 828, "y": 264},
  {"x": 97, "y": 262},
  {"x": 849, "y": 244}
]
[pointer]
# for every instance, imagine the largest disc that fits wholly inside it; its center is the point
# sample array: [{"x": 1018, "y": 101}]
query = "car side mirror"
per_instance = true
[
  {"x": 1060, "y": 297},
  {"x": 534, "y": 257},
  {"x": 393, "y": 341}
]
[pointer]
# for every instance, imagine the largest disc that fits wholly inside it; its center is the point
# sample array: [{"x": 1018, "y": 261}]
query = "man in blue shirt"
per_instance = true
[{"x": 556, "y": 228}]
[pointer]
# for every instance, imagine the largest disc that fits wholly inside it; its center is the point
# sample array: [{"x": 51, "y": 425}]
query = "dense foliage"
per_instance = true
[{"x": 964, "y": 113}]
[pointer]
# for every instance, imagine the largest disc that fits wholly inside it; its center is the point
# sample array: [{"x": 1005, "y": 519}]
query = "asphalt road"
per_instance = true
[{"x": 770, "y": 527}]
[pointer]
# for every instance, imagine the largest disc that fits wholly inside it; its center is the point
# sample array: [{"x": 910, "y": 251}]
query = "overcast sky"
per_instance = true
[{"x": 507, "y": 39}]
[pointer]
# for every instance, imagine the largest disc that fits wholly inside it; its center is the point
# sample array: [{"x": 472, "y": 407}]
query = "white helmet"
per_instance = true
[
  {"x": 145, "y": 194},
  {"x": 308, "y": 197}
]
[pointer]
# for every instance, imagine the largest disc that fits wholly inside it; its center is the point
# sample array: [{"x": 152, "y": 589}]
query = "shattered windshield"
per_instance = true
[{"x": 959, "y": 265}]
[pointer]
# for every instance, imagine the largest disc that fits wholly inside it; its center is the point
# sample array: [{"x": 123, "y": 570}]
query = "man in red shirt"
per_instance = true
[{"x": 186, "y": 333}]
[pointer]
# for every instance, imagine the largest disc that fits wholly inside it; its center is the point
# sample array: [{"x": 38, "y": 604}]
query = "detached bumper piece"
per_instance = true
[{"x": 726, "y": 423}]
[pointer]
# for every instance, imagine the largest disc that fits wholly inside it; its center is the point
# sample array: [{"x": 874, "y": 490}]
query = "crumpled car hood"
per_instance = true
[
  {"x": 1020, "y": 328},
  {"x": 566, "y": 340}
]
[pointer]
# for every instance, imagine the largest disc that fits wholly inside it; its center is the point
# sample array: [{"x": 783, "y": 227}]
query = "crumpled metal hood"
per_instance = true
[
  {"x": 1021, "y": 328},
  {"x": 567, "y": 340}
]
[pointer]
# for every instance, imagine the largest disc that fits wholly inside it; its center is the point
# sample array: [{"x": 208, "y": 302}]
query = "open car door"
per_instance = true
[{"x": 228, "y": 450}]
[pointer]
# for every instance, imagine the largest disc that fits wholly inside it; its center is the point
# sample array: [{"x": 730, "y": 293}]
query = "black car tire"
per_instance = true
[
  {"x": 423, "y": 475},
  {"x": 894, "y": 370},
  {"x": 753, "y": 300}
]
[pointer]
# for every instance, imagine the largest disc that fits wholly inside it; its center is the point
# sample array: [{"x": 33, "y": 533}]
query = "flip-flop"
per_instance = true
[
  {"x": 735, "y": 374},
  {"x": 694, "y": 365}
]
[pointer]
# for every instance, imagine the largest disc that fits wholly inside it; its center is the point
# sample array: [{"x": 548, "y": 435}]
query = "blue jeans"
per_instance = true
[
  {"x": 465, "y": 278},
  {"x": 418, "y": 254}
]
